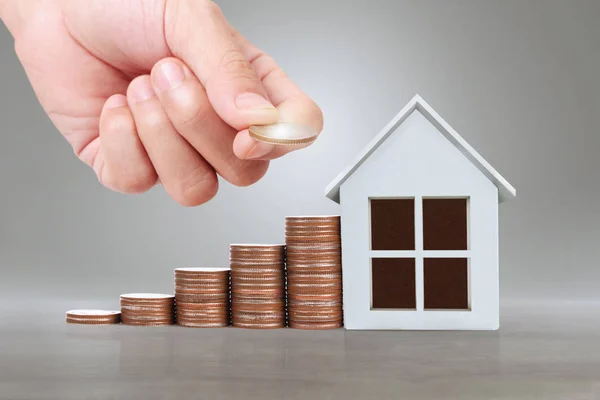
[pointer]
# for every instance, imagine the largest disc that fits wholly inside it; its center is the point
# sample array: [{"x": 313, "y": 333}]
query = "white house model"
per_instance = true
[{"x": 419, "y": 215}]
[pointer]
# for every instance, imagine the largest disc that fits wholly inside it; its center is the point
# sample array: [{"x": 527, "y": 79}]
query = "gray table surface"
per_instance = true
[{"x": 542, "y": 351}]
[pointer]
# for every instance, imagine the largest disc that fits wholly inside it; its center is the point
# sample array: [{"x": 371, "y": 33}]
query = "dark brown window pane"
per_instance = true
[
  {"x": 446, "y": 283},
  {"x": 393, "y": 224},
  {"x": 394, "y": 283},
  {"x": 445, "y": 224}
]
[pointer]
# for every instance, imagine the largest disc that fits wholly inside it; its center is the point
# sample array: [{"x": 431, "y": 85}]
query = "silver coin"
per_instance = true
[
  {"x": 256, "y": 246},
  {"x": 201, "y": 270},
  {"x": 284, "y": 133},
  {"x": 146, "y": 296}
]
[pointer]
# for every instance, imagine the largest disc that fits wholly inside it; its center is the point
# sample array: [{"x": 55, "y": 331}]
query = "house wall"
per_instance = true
[{"x": 417, "y": 160}]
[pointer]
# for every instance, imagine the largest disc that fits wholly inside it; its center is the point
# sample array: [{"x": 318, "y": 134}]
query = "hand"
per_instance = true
[{"x": 151, "y": 91}]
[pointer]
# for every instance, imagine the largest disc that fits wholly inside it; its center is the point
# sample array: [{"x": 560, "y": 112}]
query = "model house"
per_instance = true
[{"x": 419, "y": 223}]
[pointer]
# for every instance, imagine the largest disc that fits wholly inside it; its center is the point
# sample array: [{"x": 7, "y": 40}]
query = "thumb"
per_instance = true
[{"x": 197, "y": 32}]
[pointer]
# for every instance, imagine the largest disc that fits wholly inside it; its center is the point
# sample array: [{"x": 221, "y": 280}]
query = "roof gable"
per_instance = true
[{"x": 505, "y": 190}]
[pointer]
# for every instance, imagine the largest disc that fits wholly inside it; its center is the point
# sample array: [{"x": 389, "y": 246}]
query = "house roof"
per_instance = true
[{"x": 505, "y": 190}]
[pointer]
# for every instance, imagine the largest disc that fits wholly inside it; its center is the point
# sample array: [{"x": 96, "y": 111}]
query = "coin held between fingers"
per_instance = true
[{"x": 283, "y": 133}]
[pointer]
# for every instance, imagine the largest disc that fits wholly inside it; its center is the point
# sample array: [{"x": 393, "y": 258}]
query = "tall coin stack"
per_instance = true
[
  {"x": 202, "y": 296},
  {"x": 147, "y": 309},
  {"x": 258, "y": 286},
  {"x": 314, "y": 272}
]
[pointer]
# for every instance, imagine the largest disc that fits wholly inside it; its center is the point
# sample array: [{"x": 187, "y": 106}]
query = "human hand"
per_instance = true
[{"x": 149, "y": 91}]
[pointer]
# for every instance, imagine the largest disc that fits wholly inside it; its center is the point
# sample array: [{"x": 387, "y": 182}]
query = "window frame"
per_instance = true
[{"x": 419, "y": 254}]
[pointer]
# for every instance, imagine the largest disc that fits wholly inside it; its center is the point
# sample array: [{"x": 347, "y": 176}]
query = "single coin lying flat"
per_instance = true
[
  {"x": 147, "y": 296},
  {"x": 91, "y": 313},
  {"x": 283, "y": 133},
  {"x": 202, "y": 269}
]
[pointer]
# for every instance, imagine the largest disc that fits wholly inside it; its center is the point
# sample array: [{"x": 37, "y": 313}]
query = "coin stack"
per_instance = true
[
  {"x": 202, "y": 296},
  {"x": 258, "y": 286},
  {"x": 147, "y": 309},
  {"x": 314, "y": 272},
  {"x": 93, "y": 317}
]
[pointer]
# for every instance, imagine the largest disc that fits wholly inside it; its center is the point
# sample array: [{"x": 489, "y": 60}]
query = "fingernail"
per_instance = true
[
  {"x": 253, "y": 101},
  {"x": 115, "y": 102},
  {"x": 259, "y": 150},
  {"x": 168, "y": 76},
  {"x": 141, "y": 90}
]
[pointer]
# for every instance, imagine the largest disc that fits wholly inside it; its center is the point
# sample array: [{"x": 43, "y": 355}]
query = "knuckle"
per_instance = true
[
  {"x": 153, "y": 120},
  {"x": 192, "y": 112},
  {"x": 199, "y": 187},
  {"x": 248, "y": 175},
  {"x": 273, "y": 73},
  {"x": 261, "y": 59},
  {"x": 267, "y": 67},
  {"x": 131, "y": 183},
  {"x": 136, "y": 186},
  {"x": 116, "y": 122},
  {"x": 234, "y": 63}
]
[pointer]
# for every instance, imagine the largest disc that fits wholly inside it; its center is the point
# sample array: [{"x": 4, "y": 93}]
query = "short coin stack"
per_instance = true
[
  {"x": 147, "y": 309},
  {"x": 202, "y": 296},
  {"x": 258, "y": 286},
  {"x": 93, "y": 317},
  {"x": 314, "y": 272}
]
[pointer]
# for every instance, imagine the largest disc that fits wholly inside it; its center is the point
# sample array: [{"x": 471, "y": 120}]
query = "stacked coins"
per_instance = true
[
  {"x": 258, "y": 286},
  {"x": 93, "y": 317},
  {"x": 147, "y": 309},
  {"x": 314, "y": 272},
  {"x": 202, "y": 296}
]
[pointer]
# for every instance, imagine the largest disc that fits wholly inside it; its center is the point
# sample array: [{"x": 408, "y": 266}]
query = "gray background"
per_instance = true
[{"x": 518, "y": 79}]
